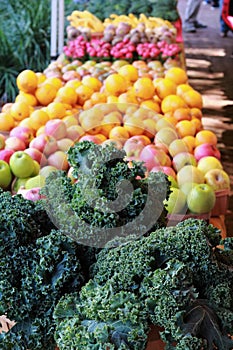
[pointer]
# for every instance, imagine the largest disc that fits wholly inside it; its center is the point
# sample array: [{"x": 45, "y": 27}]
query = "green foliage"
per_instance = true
[
  {"x": 109, "y": 201},
  {"x": 38, "y": 266},
  {"x": 24, "y": 40},
  {"x": 166, "y": 9},
  {"x": 171, "y": 278}
]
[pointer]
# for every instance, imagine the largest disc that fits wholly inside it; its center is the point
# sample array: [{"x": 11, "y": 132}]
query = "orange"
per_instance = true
[
  {"x": 38, "y": 118},
  {"x": 7, "y": 107},
  {"x": 66, "y": 94},
  {"x": 83, "y": 94},
  {"x": 56, "y": 110},
  {"x": 151, "y": 104},
  {"x": 196, "y": 113},
  {"x": 206, "y": 136},
  {"x": 6, "y": 121},
  {"x": 112, "y": 99},
  {"x": 129, "y": 72},
  {"x": 70, "y": 120},
  {"x": 190, "y": 142},
  {"x": 119, "y": 133},
  {"x": 182, "y": 113},
  {"x": 27, "y": 81},
  {"x": 193, "y": 99},
  {"x": 198, "y": 124},
  {"x": 45, "y": 94},
  {"x": 20, "y": 110},
  {"x": 164, "y": 87},
  {"x": 185, "y": 128},
  {"x": 178, "y": 146},
  {"x": 90, "y": 120},
  {"x": 30, "y": 99},
  {"x": 91, "y": 82},
  {"x": 41, "y": 77},
  {"x": 126, "y": 98},
  {"x": 171, "y": 102},
  {"x": 144, "y": 88},
  {"x": 109, "y": 122},
  {"x": 87, "y": 104},
  {"x": 74, "y": 83},
  {"x": 182, "y": 88},
  {"x": 177, "y": 75},
  {"x": 54, "y": 81},
  {"x": 115, "y": 84},
  {"x": 98, "y": 97}
]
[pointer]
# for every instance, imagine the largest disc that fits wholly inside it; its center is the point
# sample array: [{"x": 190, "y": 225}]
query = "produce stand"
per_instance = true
[{"x": 214, "y": 217}]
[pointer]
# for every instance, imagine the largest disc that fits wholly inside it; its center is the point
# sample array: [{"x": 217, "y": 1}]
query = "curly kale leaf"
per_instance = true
[
  {"x": 110, "y": 200},
  {"x": 101, "y": 318},
  {"x": 32, "y": 281}
]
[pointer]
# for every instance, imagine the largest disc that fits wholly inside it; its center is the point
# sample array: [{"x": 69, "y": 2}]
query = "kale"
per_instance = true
[
  {"x": 38, "y": 266},
  {"x": 109, "y": 200},
  {"x": 172, "y": 278}
]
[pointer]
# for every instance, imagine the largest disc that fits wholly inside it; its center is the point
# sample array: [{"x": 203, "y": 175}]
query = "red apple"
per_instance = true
[
  {"x": 55, "y": 128},
  {"x": 32, "y": 194},
  {"x": 152, "y": 156},
  {"x": 44, "y": 143},
  {"x": 15, "y": 143},
  {"x": 74, "y": 132},
  {"x": 59, "y": 160},
  {"x": 206, "y": 149},
  {"x": 24, "y": 133},
  {"x": 133, "y": 146},
  {"x": 91, "y": 138},
  {"x": 165, "y": 169},
  {"x": 36, "y": 155},
  {"x": 5, "y": 154}
]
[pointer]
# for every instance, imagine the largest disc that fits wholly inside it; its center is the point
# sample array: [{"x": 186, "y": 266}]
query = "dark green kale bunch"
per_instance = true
[
  {"x": 38, "y": 266},
  {"x": 177, "y": 278},
  {"x": 109, "y": 200}
]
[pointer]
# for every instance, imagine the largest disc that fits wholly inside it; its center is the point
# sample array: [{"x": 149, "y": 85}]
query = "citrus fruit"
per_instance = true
[
  {"x": 74, "y": 83},
  {"x": 91, "y": 82},
  {"x": 193, "y": 99},
  {"x": 129, "y": 72},
  {"x": 171, "y": 102},
  {"x": 6, "y": 121},
  {"x": 115, "y": 84},
  {"x": 38, "y": 118},
  {"x": 164, "y": 87},
  {"x": 206, "y": 136},
  {"x": 185, "y": 128},
  {"x": 134, "y": 126},
  {"x": 20, "y": 110},
  {"x": 45, "y": 94},
  {"x": 66, "y": 94},
  {"x": 26, "y": 97},
  {"x": 56, "y": 110},
  {"x": 119, "y": 133},
  {"x": 151, "y": 104},
  {"x": 182, "y": 88},
  {"x": 177, "y": 75},
  {"x": 144, "y": 88},
  {"x": 182, "y": 113},
  {"x": 27, "y": 81},
  {"x": 54, "y": 81},
  {"x": 84, "y": 93}
]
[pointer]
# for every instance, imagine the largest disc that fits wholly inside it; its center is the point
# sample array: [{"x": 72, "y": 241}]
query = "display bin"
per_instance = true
[{"x": 221, "y": 203}]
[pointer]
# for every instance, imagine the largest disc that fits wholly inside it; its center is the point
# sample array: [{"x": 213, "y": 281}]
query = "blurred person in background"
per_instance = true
[{"x": 190, "y": 18}]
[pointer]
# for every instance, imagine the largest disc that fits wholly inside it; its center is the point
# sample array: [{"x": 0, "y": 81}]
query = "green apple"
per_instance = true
[
  {"x": 21, "y": 164},
  {"x": 176, "y": 203},
  {"x": 17, "y": 183},
  {"x": 201, "y": 199},
  {"x": 46, "y": 170},
  {"x": 187, "y": 187},
  {"x": 35, "y": 181},
  {"x": 36, "y": 168},
  {"x": 5, "y": 174}
]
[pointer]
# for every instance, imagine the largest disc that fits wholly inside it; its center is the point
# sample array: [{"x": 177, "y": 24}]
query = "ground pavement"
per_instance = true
[{"x": 210, "y": 69}]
